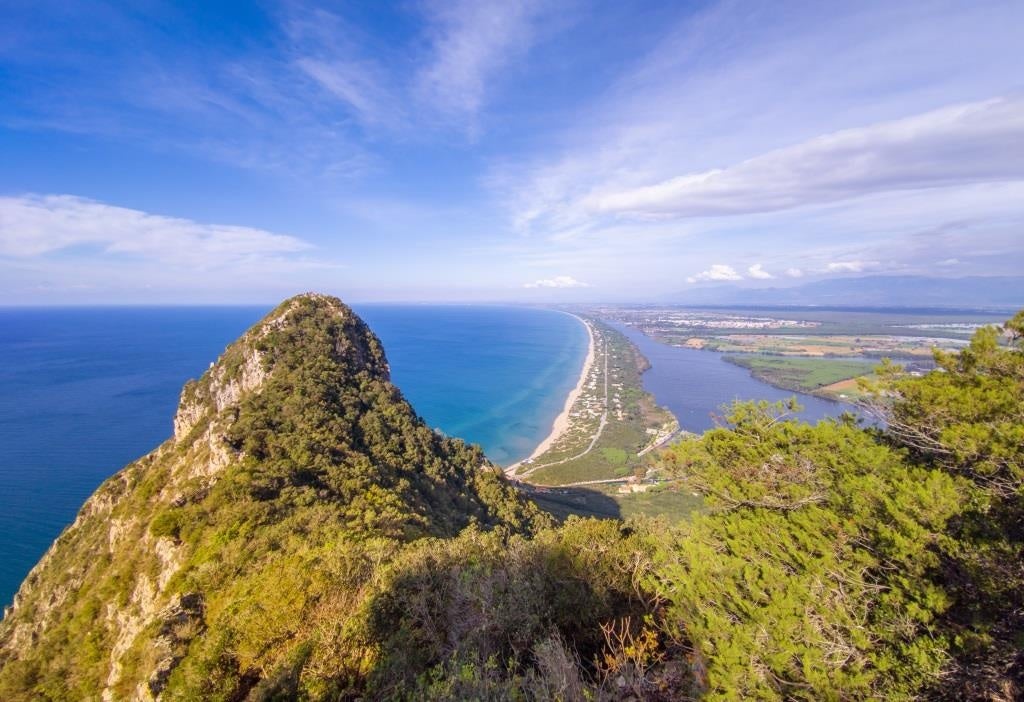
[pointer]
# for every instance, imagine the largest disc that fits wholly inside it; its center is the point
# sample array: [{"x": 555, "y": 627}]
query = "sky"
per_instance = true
[{"x": 502, "y": 150}]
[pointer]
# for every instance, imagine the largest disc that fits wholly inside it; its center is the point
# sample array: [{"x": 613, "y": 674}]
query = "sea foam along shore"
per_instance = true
[{"x": 561, "y": 423}]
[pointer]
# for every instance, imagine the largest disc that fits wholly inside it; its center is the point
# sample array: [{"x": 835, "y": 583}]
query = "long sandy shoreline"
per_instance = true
[{"x": 561, "y": 423}]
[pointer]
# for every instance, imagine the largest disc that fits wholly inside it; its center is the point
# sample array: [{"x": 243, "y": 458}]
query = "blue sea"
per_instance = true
[{"x": 85, "y": 391}]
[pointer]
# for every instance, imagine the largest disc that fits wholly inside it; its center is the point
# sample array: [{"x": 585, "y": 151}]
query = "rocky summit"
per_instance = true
[{"x": 295, "y": 466}]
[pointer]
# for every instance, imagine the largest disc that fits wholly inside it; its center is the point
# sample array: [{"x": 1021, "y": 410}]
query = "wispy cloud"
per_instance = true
[
  {"x": 356, "y": 84},
  {"x": 37, "y": 225},
  {"x": 718, "y": 271},
  {"x": 471, "y": 42},
  {"x": 559, "y": 281},
  {"x": 440, "y": 80},
  {"x": 734, "y": 129},
  {"x": 244, "y": 104},
  {"x": 958, "y": 145}
]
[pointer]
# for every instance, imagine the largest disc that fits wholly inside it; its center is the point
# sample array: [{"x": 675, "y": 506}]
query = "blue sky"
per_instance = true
[{"x": 501, "y": 149}]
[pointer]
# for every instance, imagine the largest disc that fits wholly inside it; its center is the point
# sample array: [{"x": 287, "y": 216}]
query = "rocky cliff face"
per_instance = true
[{"x": 203, "y": 567}]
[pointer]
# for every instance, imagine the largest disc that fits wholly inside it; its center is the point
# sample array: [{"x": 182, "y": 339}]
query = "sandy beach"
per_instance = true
[{"x": 561, "y": 423}]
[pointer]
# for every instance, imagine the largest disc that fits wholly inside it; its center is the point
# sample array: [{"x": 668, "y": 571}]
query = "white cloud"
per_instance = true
[
  {"x": 956, "y": 145},
  {"x": 732, "y": 83},
  {"x": 36, "y": 225},
  {"x": 456, "y": 59},
  {"x": 794, "y": 272},
  {"x": 949, "y": 262},
  {"x": 472, "y": 41},
  {"x": 758, "y": 272},
  {"x": 559, "y": 281},
  {"x": 356, "y": 83},
  {"x": 847, "y": 266},
  {"x": 718, "y": 271}
]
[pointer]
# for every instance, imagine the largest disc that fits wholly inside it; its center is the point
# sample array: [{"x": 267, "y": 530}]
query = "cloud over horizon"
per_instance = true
[
  {"x": 559, "y": 281},
  {"x": 718, "y": 271},
  {"x": 64, "y": 248}
]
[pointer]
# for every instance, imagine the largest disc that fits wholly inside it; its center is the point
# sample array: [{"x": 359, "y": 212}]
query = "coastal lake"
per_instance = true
[{"x": 695, "y": 384}]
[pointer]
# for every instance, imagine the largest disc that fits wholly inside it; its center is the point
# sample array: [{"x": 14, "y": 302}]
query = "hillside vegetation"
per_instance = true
[{"x": 305, "y": 536}]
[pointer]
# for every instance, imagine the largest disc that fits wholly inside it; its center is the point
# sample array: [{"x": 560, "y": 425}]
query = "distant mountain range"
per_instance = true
[{"x": 871, "y": 291}]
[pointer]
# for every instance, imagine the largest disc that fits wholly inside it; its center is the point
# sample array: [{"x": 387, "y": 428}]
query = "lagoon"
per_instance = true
[{"x": 695, "y": 384}]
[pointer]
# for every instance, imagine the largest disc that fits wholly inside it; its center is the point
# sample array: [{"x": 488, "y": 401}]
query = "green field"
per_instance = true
[
  {"x": 800, "y": 374},
  {"x": 605, "y": 502}
]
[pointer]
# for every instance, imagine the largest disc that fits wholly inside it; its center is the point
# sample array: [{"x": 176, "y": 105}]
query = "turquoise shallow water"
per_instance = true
[{"x": 85, "y": 391}]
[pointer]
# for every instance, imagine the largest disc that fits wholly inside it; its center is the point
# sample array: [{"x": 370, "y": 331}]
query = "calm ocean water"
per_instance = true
[{"x": 85, "y": 391}]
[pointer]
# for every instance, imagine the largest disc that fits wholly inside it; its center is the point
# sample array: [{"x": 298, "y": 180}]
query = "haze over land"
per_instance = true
[
  {"x": 1005, "y": 292},
  {"x": 523, "y": 151}
]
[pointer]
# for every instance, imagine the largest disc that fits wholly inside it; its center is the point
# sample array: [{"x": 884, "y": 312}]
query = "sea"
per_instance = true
[{"x": 84, "y": 391}]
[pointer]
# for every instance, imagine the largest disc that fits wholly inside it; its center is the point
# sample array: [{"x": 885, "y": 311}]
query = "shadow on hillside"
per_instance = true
[{"x": 561, "y": 502}]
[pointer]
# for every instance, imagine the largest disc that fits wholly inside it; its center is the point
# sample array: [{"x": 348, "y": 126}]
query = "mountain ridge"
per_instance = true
[{"x": 292, "y": 440}]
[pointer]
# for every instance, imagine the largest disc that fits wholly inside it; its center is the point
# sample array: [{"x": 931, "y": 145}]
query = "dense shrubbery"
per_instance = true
[
  {"x": 353, "y": 553},
  {"x": 967, "y": 419},
  {"x": 484, "y": 616},
  {"x": 810, "y": 578}
]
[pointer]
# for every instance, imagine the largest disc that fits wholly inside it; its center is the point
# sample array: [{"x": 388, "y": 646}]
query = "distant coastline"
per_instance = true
[{"x": 561, "y": 422}]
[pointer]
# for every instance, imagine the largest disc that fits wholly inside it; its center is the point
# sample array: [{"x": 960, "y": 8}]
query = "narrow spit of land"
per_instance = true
[
  {"x": 557, "y": 434},
  {"x": 563, "y": 422},
  {"x": 609, "y": 425}
]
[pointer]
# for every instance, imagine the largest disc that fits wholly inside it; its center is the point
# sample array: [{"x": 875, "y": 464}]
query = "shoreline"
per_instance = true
[{"x": 561, "y": 422}]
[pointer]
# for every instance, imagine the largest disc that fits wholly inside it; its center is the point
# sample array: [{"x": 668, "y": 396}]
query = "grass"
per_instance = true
[
  {"x": 821, "y": 346},
  {"x": 605, "y": 502},
  {"x": 665, "y": 500},
  {"x": 846, "y": 390},
  {"x": 801, "y": 374}
]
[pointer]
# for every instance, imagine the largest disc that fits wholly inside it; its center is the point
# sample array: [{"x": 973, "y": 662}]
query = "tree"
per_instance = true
[
  {"x": 967, "y": 419},
  {"x": 810, "y": 578}
]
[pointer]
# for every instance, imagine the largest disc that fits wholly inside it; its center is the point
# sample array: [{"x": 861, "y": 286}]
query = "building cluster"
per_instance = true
[
  {"x": 590, "y": 404},
  {"x": 680, "y": 320},
  {"x": 673, "y": 318}
]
